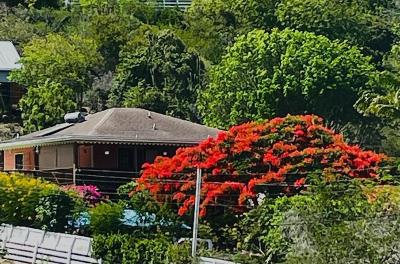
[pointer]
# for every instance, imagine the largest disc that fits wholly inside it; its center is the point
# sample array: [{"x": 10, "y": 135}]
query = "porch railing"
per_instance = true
[{"x": 182, "y": 4}]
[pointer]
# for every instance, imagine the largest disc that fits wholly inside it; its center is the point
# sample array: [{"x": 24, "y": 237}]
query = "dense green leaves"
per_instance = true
[
  {"x": 45, "y": 105},
  {"x": 213, "y": 25},
  {"x": 265, "y": 75},
  {"x": 110, "y": 32},
  {"x": 36, "y": 203},
  {"x": 346, "y": 20},
  {"x": 384, "y": 100},
  {"x": 332, "y": 222},
  {"x": 64, "y": 60},
  {"x": 158, "y": 72},
  {"x": 126, "y": 249}
]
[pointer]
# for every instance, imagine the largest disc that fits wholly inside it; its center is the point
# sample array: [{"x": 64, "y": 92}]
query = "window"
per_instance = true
[{"x": 19, "y": 161}]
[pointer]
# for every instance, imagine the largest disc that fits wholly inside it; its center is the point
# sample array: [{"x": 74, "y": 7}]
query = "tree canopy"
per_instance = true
[
  {"x": 45, "y": 105},
  {"x": 346, "y": 20},
  {"x": 158, "y": 72},
  {"x": 384, "y": 100},
  {"x": 272, "y": 74},
  {"x": 284, "y": 151},
  {"x": 64, "y": 60}
]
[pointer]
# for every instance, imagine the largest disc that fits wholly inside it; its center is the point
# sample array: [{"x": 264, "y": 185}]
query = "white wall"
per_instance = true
[{"x": 55, "y": 157}]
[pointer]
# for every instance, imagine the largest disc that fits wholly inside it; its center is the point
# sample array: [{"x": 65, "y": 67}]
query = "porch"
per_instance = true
[{"x": 107, "y": 166}]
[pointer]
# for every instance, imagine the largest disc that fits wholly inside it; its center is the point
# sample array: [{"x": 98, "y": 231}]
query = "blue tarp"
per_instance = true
[{"x": 131, "y": 218}]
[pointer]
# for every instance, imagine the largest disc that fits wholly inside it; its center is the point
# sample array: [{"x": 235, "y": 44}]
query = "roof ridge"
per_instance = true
[{"x": 103, "y": 119}]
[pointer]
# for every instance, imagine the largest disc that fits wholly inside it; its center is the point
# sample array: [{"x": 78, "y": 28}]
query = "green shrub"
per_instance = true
[
  {"x": 35, "y": 203},
  {"x": 126, "y": 249},
  {"x": 51, "y": 208},
  {"x": 341, "y": 222},
  {"x": 106, "y": 218}
]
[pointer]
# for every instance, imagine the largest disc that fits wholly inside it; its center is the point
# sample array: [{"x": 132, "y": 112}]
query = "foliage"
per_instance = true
[
  {"x": 51, "y": 210},
  {"x": 45, "y": 105},
  {"x": 145, "y": 11},
  {"x": 89, "y": 193},
  {"x": 339, "y": 222},
  {"x": 150, "y": 217},
  {"x": 211, "y": 28},
  {"x": 9, "y": 130},
  {"x": 281, "y": 151},
  {"x": 34, "y": 3},
  {"x": 64, "y": 60},
  {"x": 106, "y": 218},
  {"x": 213, "y": 25},
  {"x": 15, "y": 28},
  {"x": 346, "y": 20},
  {"x": 147, "y": 98},
  {"x": 32, "y": 202},
  {"x": 158, "y": 66},
  {"x": 126, "y": 249},
  {"x": 110, "y": 33},
  {"x": 384, "y": 100},
  {"x": 265, "y": 75},
  {"x": 354, "y": 231},
  {"x": 96, "y": 96}
]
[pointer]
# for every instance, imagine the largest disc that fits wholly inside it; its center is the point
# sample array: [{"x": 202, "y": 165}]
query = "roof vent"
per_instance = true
[
  {"x": 73, "y": 118},
  {"x": 154, "y": 126},
  {"x": 149, "y": 114}
]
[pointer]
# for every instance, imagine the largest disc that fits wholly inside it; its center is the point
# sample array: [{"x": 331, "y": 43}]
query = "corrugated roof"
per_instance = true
[
  {"x": 122, "y": 126},
  {"x": 9, "y": 56}
]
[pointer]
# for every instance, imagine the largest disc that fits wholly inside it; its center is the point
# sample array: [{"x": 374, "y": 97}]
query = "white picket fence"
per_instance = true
[
  {"x": 25, "y": 245},
  {"x": 28, "y": 245}
]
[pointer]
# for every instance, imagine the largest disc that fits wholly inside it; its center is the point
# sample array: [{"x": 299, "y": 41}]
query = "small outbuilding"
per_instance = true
[{"x": 10, "y": 92}]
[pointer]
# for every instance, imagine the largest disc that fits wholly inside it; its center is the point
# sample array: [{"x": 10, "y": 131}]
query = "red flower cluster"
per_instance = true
[{"x": 277, "y": 154}]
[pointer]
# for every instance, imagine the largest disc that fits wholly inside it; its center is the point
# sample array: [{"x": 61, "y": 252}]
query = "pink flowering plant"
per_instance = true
[{"x": 90, "y": 193}]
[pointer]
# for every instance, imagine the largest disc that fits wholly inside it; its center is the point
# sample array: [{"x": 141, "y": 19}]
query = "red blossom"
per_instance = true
[{"x": 274, "y": 153}]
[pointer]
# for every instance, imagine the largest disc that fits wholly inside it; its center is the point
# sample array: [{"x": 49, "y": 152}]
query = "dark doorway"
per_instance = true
[{"x": 126, "y": 159}]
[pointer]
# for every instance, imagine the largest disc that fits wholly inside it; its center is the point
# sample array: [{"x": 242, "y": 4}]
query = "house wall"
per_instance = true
[
  {"x": 103, "y": 161},
  {"x": 55, "y": 157},
  {"x": 139, "y": 156},
  {"x": 85, "y": 154},
  {"x": 28, "y": 161}
]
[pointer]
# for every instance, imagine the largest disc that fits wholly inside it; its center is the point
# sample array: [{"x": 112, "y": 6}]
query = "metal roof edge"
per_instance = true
[{"x": 83, "y": 140}]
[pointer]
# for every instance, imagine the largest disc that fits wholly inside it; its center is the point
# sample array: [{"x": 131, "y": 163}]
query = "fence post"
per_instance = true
[
  {"x": 196, "y": 212},
  {"x": 74, "y": 174}
]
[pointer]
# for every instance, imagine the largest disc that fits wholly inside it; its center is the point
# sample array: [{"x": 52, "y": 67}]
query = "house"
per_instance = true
[
  {"x": 117, "y": 140},
  {"x": 10, "y": 92}
]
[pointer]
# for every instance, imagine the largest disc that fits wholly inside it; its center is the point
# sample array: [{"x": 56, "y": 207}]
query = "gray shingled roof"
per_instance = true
[
  {"x": 9, "y": 56},
  {"x": 119, "y": 125}
]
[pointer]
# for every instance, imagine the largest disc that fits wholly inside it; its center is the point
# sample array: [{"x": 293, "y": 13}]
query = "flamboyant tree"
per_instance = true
[{"x": 278, "y": 154}]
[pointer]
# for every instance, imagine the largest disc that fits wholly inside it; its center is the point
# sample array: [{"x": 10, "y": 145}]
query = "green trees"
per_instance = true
[
  {"x": 335, "y": 222},
  {"x": 213, "y": 25},
  {"x": 346, "y": 20},
  {"x": 158, "y": 72},
  {"x": 57, "y": 71},
  {"x": 110, "y": 33},
  {"x": 45, "y": 104},
  {"x": 64, "y": 60},
  {"x": 384, "y": 100},
  {"x": 272, "y": 74}
]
